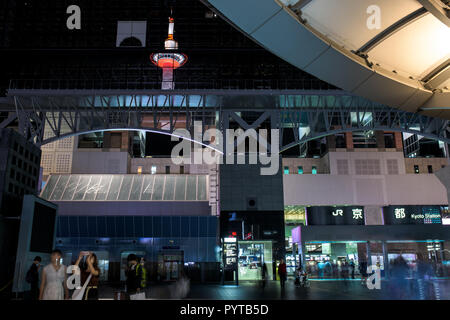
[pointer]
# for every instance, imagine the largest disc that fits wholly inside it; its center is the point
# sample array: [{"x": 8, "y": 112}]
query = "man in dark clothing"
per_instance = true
[
  {"x": 282, "y": 272},
  {"x": 133, "y": 278},
  {"x": 33, "y": 278}
]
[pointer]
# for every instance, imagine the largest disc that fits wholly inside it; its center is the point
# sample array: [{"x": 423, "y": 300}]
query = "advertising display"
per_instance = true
[
  {"x": 335, "y": 215},
  {"x": 294, "y": 215},
  {"x": 230, "y": 252},
  {"x": 412, "y": 215}
]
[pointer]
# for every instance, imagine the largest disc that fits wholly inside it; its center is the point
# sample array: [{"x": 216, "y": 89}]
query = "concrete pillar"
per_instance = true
[
  {"x": 444, "y": 176},
  {"x": 369, "y": 253},
  {"x": 398, "y": 141},
  {"x": 385, "y": 260},
  {"x": 349, "y": 141}
]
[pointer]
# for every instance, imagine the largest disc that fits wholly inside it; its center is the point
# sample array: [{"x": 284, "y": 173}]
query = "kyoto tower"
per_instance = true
[{"x": 169, "y": 60}]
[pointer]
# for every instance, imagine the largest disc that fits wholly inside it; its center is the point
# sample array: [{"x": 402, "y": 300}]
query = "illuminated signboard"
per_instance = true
[
  {"x": 342, "y": 215},
  {"x": 294, "y": 214},
  {"x": 412, "y": 215},
  {"x": 230, "y": 253},
  {"x": 445, "y": 215}
]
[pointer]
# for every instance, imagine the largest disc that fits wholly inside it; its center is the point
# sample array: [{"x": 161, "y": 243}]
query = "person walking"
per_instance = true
[
  {"x": 141, "y": 272},
  {"x": 352, "y": 268},
  {"x": 282, "y": 272},
  {"x": 133, "y": 278},
  {"x": 54, "y": 279},
  {"x": 363, "y": 271},
  {"x": 264, "y": 275},
  {"x": 32, "y": 278}
]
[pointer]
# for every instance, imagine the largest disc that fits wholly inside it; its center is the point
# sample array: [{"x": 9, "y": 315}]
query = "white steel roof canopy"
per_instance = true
[{"x": 393, "y": 52}]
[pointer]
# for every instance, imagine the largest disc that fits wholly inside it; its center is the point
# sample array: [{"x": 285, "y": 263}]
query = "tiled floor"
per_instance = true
[{"x": 329, "y": 290}]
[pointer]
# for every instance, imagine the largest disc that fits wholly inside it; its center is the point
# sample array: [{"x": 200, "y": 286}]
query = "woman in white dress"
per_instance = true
[{"x": 54, "y": 276}]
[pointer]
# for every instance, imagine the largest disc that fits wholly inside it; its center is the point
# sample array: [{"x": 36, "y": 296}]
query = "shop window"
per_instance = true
[
  {"x": 416, "y": 169},
  {"x": 286, "y": 170},
  {"x": 300, "y": 170},
  {"x": 139, "y": 170},
  {"x": 167, "y": 169},
  {"x": 153, "y": 170},
  {"x": 314, "y": 170},
  {"x": 430, "y": 169}
]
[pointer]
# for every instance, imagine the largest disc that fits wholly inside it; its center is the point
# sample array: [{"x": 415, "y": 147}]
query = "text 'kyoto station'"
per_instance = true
[{"x": 224, "y": 150}]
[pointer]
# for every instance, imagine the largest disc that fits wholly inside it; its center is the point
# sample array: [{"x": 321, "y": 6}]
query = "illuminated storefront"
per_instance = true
[{"x": 294, "y": 216}]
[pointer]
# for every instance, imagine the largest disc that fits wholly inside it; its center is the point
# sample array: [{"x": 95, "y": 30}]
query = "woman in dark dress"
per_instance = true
[{"x": 89, "y": 267}]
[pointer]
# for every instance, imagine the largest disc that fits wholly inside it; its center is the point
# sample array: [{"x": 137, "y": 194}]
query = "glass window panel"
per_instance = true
[
  {"x": 148, "y": 226},
  {"x": 212, "y": 227},
  {"x": 129, "y": 227},
  {"x": 193, "y": 227},
  {"x": 157, "y": 227},
  {"x": 180, "y": 187},
  {"x": 114, "y": 189},
  {"x": 49, "y": 187},
  {"x": 136, "y": 188},
  {"x": 203, "y": 224},
  {"x": 147, "y": 187},
  {"x": 175, "y": 226},
  {"x": 83, "y": 226},
  {"x": 191, "y": 188},
  {"x": 92, "y": 226},
  {"x": 201, "y": 188},
  {"x": 82, "y": 186},
  {"x": 166, "y": 227},
  {"x": 92, "y": 188},
  {"x": 169, "y": 188},
  {"x": 70, "y": 187},
  {"x": 139, "y": 226},
  {"x": 184, "y": 226},
  {"x": 59, "y": 189},
  {"x": 103, "y": 187},
  {"x": 158, "y": 188},
  {"x": 120, "y": 226},
  {"x": 110, "y": 227},
  {"x": 125, "y": 187},
  {"x": 73, "y": 226},
  {"x": 101, "y": 227}
]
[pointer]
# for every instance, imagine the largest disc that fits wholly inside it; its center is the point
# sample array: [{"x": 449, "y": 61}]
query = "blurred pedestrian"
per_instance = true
[
  {"x": 133, "y": 277},
  {"x": 352, "y": 268},
  {"x": 363, "y": 271},
  {"x": 264, "y": 275},
  {"x": 282, "y": 272},
  {"x": 54, "y": 279},
  {"x": 32, "y": 277}
]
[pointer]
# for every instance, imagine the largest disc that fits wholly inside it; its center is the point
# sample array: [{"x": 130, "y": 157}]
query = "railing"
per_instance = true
[{"x": 107, "y": 84}]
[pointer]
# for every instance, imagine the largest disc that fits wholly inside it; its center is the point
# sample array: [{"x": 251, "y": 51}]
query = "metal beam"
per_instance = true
[
  {"x": 437, "y": 76},
  {"x": 400, "y": 24},
  {"x": 437, "y": 9}
]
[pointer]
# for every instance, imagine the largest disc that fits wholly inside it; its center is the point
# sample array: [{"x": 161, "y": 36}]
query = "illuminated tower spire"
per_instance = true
[{"x": 168, "y": 61}]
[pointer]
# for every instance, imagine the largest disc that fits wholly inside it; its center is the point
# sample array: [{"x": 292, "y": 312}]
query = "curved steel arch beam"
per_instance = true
[
  {"x": 164, "y": 132},
  {"x": 344, "y": 130},
  {"x": 400, "y": 24}
]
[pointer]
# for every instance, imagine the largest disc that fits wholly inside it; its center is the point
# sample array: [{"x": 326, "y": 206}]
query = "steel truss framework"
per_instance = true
[{"x": 309, "y": 114}]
